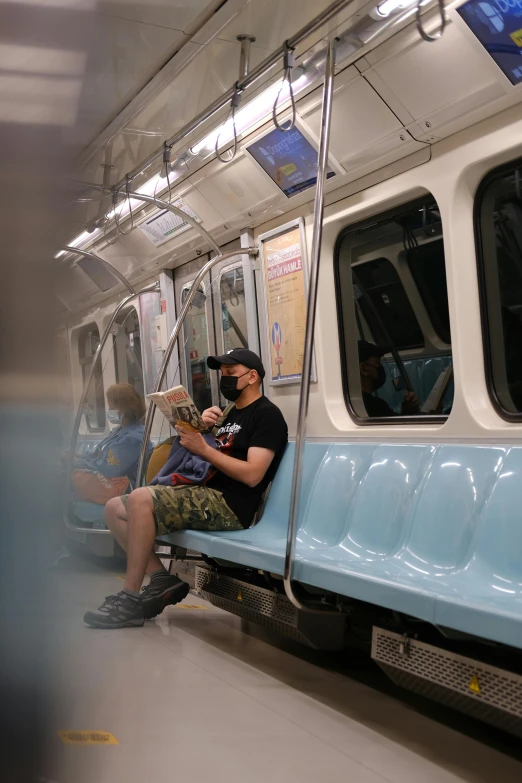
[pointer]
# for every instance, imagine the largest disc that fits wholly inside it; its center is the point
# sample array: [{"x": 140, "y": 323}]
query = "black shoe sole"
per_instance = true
[
  {"x": 172, "y": 595},
  {"x": 92, "y": 619}
]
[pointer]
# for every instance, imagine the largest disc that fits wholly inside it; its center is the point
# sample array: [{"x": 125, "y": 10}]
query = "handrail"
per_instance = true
[
  {"x": 97, "y": 356},
  {"x": 162, "y": 205},
  {"x": 112, "y": 269},
  {"x": 252, "y": 251},
  {"x": 311, "y": 307},
  {"x": 253, "y": 76}
]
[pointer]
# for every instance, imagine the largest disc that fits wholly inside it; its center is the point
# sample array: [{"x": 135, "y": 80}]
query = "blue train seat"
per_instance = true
[{"x": 433, "y": 531}]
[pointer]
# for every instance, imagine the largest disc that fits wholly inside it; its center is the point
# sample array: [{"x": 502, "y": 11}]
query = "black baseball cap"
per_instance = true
[
  {"x": 367, "y": 350},
  {"x": 238, "y": 356}
]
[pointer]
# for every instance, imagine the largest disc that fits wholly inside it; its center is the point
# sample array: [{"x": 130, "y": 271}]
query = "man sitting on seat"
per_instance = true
[
  {"x": 373, "y": 376},
  {"x": 251, "y": 442}
]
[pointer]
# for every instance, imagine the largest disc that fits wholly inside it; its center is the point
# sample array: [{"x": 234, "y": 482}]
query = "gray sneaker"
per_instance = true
[
  {"x": 117, "y": 611},
  {"x": 159, "y": 593}
]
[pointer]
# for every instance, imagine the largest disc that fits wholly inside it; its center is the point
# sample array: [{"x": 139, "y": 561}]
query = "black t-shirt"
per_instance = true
[
  {"x": 260, "y": 424},
  {"x": 375, "y": 406}
]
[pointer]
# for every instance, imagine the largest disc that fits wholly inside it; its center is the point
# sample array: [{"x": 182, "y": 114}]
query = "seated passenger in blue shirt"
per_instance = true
[{"x": 118, "y": 454}]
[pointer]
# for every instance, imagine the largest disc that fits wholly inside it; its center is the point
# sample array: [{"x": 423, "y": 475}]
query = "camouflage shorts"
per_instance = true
[{"x": 191, "y": 508}]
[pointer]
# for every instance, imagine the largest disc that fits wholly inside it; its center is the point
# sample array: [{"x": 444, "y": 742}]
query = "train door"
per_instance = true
[{"x": 222, "y": 316}]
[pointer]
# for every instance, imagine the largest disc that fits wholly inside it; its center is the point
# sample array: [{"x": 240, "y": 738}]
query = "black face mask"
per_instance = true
[
  {"x": 381, "y": 377},
  {"x": 228, "y": 386}
]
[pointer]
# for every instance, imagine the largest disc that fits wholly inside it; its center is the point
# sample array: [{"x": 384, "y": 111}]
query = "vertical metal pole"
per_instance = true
[
  {"x": 310, "y": 324},
  {"x": 247, "y": 240},
  {"x": 244, "y": 58}
]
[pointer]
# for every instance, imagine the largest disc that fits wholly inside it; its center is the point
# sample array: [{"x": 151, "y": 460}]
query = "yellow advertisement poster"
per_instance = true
[{"x": 286, "y": 304}]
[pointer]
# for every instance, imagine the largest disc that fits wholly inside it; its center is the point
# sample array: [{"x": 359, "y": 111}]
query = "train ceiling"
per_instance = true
[{"x": 392, "y": 101}]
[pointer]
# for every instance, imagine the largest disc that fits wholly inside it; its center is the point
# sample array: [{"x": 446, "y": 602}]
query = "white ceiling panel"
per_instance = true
[
  {"x": 359, "y": 117},
  {"x": 235, "y": 187},
  {"x": 418, "y": 78},
  {"x": 125, "y": 56},
  {"x": 175, "y": 14},
  {"x": 271, "y": 21}
]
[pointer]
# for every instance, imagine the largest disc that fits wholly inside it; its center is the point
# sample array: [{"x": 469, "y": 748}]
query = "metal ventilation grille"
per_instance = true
[
  {"x": 486, "y": 692},
  {"x": 259, "y": 599}
]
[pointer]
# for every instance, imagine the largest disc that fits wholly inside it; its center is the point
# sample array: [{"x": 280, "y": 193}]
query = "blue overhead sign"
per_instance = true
[{"x": 498, "y": 27}]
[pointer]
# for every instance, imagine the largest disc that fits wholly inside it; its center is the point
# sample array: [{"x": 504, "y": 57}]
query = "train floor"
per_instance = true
[{"x": 197, "y": 695}]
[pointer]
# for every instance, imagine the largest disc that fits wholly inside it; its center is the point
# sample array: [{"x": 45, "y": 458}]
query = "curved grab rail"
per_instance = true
[
  {"x": 443, "y": 22},
  {"x": 309, "y": 332},
  {"x": 251, "y": 251},
  {"x": 112, "y": 269},
  {"x": 96, "y": 358}
]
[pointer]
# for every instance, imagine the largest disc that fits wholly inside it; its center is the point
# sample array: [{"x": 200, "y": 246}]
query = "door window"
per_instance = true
[
  {"x": 197, "y": 348},
  {"x": 233, "y": 308},
  {"x": 88, "y": 342},
  {"x": 127, "y": 351}
]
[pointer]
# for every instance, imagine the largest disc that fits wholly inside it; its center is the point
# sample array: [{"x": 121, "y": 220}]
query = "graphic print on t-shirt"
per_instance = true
[{"x": 226, "y": 436}]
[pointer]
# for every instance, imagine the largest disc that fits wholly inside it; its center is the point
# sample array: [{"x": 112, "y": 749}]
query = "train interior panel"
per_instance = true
[{"x": 348, "y": 207}]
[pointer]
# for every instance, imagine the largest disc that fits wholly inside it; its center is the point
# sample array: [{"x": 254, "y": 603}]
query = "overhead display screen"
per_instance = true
[
  {"x": 289, "y": 160},
  {"x": 498, "y": 27}
]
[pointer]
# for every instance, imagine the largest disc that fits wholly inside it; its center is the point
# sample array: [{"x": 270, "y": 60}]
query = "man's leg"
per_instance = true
[
  {"x": 116, "y": 519},
  {"x": 141, "y": 532},
  {"x": 134, "y": 527}
]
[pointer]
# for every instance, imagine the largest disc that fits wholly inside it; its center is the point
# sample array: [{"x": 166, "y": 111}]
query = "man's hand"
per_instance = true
[
  {"x": 211, "y": 415},
  {"x": 410, "y": 404},
  {"x": 193, "y": 441}
]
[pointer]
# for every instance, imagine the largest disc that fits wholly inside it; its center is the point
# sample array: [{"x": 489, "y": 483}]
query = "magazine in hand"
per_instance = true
[
  {"x": 178, "y": 408},
  {"x": 440, "y": 388}
]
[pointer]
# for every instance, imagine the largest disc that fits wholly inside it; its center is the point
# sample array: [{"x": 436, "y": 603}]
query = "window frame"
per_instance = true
[
  {"x": 498, "y": 171},
  {"x": 374, "y": 220}
]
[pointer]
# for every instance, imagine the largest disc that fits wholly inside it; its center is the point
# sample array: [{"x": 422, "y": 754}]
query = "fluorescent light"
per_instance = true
[
  {"x": 81, "y": 240},
  {"x": 253, "y": 112},
  {"x": 390, "y": 6}
]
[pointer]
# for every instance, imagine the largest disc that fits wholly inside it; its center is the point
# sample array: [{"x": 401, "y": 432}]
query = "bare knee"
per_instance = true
[
  {"x": 140, "y": 499},
  {"x": 114, "y": 508}
]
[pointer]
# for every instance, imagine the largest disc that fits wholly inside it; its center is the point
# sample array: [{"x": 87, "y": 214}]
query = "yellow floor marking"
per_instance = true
[
  {"x": 87, "y": 738},
  {"x": 474, "y": 684},
  {"x": 192, "y": 606},
  {"x": 120, "y": 577}
]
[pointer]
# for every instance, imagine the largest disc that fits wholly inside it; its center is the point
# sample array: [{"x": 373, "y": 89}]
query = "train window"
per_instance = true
[
  {"x": 385, "y": 304},
  {"x": 428, "y": 269},
  {"x": 233, "y": 309},
  {"x": 394, "y": 316},
  {"x": 127, "y": 350},
  {"x": 498, "y": 223},
  {"x": 88, "y": 342},
  {"x": 197, "y": 348}
]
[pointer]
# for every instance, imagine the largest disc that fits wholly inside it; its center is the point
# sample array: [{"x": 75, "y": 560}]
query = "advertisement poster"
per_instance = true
[{"x": 285, "y": 290}]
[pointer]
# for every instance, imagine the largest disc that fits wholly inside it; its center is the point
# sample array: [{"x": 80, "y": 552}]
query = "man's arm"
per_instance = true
[{"x": 250, "y": 471}]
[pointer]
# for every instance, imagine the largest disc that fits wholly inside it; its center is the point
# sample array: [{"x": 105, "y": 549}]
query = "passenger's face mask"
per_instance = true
[
  {"x": 114, "y": 416},
  {"x": 228, "y": 386}
]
